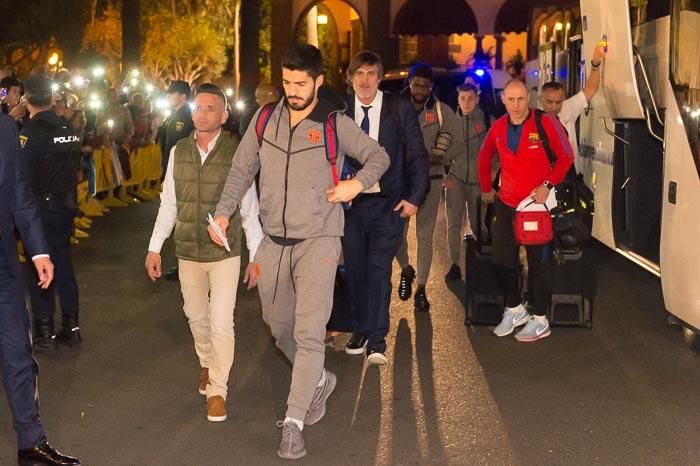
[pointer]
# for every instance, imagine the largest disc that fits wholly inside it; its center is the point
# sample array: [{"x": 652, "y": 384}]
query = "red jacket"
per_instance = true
[{"x": 523, "y": 171}]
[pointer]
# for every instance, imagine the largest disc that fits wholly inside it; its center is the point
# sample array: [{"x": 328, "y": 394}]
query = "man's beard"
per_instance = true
[
  {"x": 419, "y": 101},
  {"x": 305, "y": 104}
]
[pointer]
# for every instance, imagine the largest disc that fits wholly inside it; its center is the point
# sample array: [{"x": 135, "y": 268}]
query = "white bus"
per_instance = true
[{"x": 640, "y": 138}]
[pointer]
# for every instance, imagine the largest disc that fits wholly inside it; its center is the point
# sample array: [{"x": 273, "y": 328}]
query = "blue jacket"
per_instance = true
[
  {"x": 400, "y": 135},
  {"x": 17, "y": 208}
]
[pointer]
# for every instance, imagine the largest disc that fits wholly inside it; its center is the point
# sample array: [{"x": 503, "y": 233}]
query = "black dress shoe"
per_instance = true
[
  {"x": 70, "y": 331},
  {"x": 45, "y": 340},
  {"x": 454, "y": 273},
  {"x": 406, "y": 284},
  {"x": 421, "y": 303},
  {"x": 43, "y": 453},
  {"x": 172, "y": 275},
  {"x": 356, "y": 345}
]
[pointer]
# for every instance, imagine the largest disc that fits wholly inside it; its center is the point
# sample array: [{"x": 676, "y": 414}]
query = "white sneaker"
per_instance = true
[
  {"x": 376, "y": 359},
  {"x": 534, "y": 330},
  {"x": 512, "y": 318}
]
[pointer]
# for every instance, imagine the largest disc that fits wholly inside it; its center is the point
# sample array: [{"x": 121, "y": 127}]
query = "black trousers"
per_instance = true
[
  {"x": 507, "y": 262},
  {"x": 19, "y": 369},
  {"x": 373, "y": 234},
  {"x": 58, "y": 228}
]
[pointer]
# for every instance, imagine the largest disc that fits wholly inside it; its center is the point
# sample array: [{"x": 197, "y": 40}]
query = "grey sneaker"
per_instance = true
[
  {"x": 534, "y": 330},
  {"x": 292, "y": 446},
  {"x": 318, "y": 404},
  {"x": 511, "y": 319}
]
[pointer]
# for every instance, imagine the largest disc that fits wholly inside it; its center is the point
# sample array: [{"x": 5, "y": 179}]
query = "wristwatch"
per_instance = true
[{"x": 548, "y": 184}]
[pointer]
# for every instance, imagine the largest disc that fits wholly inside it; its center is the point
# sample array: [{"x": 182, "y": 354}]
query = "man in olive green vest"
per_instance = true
[{"x": 195, "y": 176}]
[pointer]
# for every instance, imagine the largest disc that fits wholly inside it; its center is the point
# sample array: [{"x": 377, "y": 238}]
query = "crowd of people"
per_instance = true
[{"x": 316, "y": 179}]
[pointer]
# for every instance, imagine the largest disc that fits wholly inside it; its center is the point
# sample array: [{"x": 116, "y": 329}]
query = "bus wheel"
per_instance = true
[{"x": 692, "y": 339}]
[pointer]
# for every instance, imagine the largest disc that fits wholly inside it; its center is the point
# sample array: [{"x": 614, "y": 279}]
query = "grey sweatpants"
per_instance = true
[
  {"x": 457, "y": 195},
  {"x": 425, "y": 227},
  {"x": 296, "y": 292}
]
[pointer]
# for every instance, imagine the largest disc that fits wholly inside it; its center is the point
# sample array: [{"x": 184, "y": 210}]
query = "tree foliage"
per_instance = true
[
  {"x": 38, "y": 27},
  {"x": 184, "y": 47},
  {"x": 104, "y": 34}
]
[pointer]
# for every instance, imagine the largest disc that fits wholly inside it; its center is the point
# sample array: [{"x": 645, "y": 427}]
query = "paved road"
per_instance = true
[{"x": 626, "y": 392}]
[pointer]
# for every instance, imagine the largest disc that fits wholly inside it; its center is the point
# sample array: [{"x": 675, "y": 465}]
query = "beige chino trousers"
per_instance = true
[{"x": 209, "y": 293}]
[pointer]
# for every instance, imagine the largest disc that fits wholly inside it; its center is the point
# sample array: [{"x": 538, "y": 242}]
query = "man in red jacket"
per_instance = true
[{"x": 525, "y": 172}]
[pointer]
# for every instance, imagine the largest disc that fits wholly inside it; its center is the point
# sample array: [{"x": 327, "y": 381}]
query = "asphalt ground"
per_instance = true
[{"x": 625, "y": 392}]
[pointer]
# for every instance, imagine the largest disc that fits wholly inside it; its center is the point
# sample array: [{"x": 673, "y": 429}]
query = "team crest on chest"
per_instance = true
[
  {"x": 534, "y": 138},
  {"x": 429, "y": 117},
  {"x": 314, "y": 136},
  {"x": 478, "y": 128},
  {"x": 22, "y": 140},
  {"x": 179, "y": 125}
]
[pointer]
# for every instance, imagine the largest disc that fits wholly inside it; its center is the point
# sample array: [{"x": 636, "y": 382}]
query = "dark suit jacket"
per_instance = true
[
  {"x": 401, "y": 137},
  {"x": 17, "y": 206}
]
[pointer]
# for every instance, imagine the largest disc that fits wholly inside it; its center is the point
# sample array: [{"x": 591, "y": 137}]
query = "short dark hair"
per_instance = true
[
  {"x": 552, "y": 86},
  {"x": 303, "y": 57},
  {"x": 366, "y": 57},
  {"x": 10, "y": 81},
  {"x": 209, "y": 88},
  {"x": 467, "y": 88},
  {"x": 421, "y": 70},
  {"x": 38, "y": 91}
]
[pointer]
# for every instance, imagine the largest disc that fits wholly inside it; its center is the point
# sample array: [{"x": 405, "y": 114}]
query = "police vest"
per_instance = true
[{"x": 57, "y": 168}]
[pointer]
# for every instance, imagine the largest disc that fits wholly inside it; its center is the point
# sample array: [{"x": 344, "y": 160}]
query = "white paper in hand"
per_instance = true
[
  {"x": 218, "y": 232},
  {"x": 527, "y": 204}
]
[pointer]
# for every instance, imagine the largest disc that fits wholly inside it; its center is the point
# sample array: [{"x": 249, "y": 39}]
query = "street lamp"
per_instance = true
[{"x": 53, "y": 59}]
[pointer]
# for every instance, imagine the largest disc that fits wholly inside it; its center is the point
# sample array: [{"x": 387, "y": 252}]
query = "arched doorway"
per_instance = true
[{"x": 336, "y": 28}]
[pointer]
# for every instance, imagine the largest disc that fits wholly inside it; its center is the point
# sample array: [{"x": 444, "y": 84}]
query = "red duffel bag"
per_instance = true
[{"x": 533, "y": 227}]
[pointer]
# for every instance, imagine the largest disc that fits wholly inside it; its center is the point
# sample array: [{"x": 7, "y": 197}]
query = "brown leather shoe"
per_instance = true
[
  {"x": 216, "y": 409},
  {"x": 203, "y": 380}
]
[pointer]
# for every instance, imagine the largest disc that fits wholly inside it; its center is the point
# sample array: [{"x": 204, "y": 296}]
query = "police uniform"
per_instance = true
[
  {"x": 51, "y": 154},
  {"x": 179, "y": 125}
]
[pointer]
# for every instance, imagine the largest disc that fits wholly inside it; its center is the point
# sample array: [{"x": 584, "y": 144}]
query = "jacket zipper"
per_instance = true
[{"x": 286, "y": 176}]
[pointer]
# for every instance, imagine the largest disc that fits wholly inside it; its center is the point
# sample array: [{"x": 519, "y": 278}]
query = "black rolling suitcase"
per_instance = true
[
  {"x": 484, "y": 301},
  {"x": 573, "y": 289}
]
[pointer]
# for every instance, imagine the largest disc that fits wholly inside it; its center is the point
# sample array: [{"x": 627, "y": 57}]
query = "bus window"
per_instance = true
[
  {"x": 642, "y": 11},
  {"x": 685, "y": 67}
]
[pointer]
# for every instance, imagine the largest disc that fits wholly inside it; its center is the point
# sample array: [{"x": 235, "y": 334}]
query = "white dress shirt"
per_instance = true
[
  {"x": 167, "y": 214},
  {"x": 374, "y": 113},
  {"x": 571, "y": 108}
]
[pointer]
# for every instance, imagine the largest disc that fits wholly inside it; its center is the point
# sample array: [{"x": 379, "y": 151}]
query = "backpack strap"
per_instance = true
[
  {"x": 331, "y": 139},
  {"x": 438, "y": 109},
  {"x": 571, "y": 174},
  {"x": 263, "y": 119},
  {"x": 543, "y": 137}
]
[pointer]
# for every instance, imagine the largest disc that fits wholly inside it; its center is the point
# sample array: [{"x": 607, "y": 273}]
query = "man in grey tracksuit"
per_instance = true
[
  {"x": 442, "y": 138},
  {"x": 462, "y": 186},
  {"x": 303, "y": 221}
]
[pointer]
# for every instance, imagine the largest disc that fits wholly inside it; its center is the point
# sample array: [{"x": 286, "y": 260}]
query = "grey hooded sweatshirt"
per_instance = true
[{"x": 295, "y": 173}]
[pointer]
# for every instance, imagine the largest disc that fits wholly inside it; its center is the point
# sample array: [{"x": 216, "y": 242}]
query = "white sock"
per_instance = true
[
  {"x": 300, "y": 424},
  {"x": 323, "y": 379},
  {"x": 541, "y": 320},
  {"x": 519, "y": 309}
]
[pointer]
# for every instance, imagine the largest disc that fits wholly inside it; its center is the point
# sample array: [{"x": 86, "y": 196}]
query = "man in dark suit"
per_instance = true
[
  {"x": 374, "y": 224},
  {"x": 19, "y": 369}
]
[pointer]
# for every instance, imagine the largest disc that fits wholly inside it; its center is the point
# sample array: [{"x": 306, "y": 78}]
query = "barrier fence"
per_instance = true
[{"x": 108, "y": 192}]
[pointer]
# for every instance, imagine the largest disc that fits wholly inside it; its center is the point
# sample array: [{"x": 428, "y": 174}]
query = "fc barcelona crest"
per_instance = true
[
  {"x": 314, "y": 136},
  {"x": 179, "y": 125},
  {"x": 429, "y": 117},
  {"x": 534, "y": 138}
]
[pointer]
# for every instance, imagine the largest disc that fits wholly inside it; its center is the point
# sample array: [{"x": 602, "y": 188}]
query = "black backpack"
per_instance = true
[{"x": 573, "y": 216}]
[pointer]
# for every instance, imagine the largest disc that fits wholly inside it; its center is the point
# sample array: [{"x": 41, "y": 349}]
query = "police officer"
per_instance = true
[
  {"x": 51, "y": 154},
  {"x": 179, "y": 125}
]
